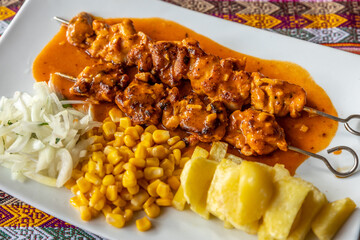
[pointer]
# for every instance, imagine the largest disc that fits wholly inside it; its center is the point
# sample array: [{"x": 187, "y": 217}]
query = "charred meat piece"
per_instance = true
[
  {"x": 80, "y": 32},
  {"x": 220, "y": 79},
  {"x": 206, "y": 123},
  {"x": 255, "y": 132},
  {"x": 140, "y": 101},
  {"x": 121, "y": 44},
  {"x": 170, "y": 62},
  {"x": 276, "y": 96},
  {"x": 100, "y": 82}
]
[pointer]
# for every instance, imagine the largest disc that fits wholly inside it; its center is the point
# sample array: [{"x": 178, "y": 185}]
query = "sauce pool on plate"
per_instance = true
[{"x": 311, "y": 133}]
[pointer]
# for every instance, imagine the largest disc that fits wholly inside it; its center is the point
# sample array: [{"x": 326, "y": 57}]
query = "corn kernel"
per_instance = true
[
  {"x": 100, "y": 204},
  {"x": 133, "y": 190},
  {"x": 111, "y": 193},
  {"x": 173, "y": 140},
  {"x": 118, "y": 168},
  {"x": 177, "y": 172},
  {"x": 115, "y": 114},
  {"x": 85, "y": 167},
  {"x": 125, "y": 122},
  {"x": 163, "y": 190},
  {"x": 98, "y": 156},
  {"x": 152, "y": 211},
  {"x": 90, "y": 133},
  {"x": 153, "y": 172},
  {"x": 177, "y": 155},
  {"x": 114, "y": 157},
  {"x": 95, "y": 197},
  {"x": 151, "y": 128},
  {"x": 160, "y": 152},
  {"x": 106, "y": 210},
  {"x": 107, "y": 119},
  {"x": 76, "y": 174},
  {"x": 143, "y": 224},
  {"x": 75, "y": 202},
  {"x": 152, "y": 162},
  {"x": 109, "y": 129},
  {"x": 118, "y": 210},
  {"x": 129, "y": 141},
  {"x": 75, "y": 189},
  {"x": 167, "y": 164},
  {"x": 118, "y": 178},
  {"x": 108, "y": 180},
  {"x": 125, "y": 194},
  {"x": 129, "y": 179},
  {"x": 152, "y": 188},
  {"x": 139, "y": 174},
  {"x": 138, "y": 162},
  {"x": 116, "y": 220},
  {"x": 85, "y": 213},
  {"x": 119, "y": 202},
  {"x": 128, "y": 214},
  {"x": 83, "y": 184},
  {"x": 149, "y": 201},
  {"x": 161, "y": 136},
  {"x": 91, "y": 167},
  {"x": 93, "y": 178},
  {"x": 95, "y": 147},
  {"x": 119, "y": 141},
  {"x": 133, "y": 132},
  {"x": 173, "y": 182},
  {"x": 119, "y": 185},
  {"x": 143, "y": 183},
  {"x": 179, "y": 145},
  {"x": 141, "y": 151},
  {"x": 147, "y": 139},
  {"x": 108, "y": 168},
  {"x": 129, "y": 167},
  {"x": 103, "y": 189},
  {"x": 109, "y": 149},
  {"x": 165, "y": 202},
  {"x": 69, "y": 183}
]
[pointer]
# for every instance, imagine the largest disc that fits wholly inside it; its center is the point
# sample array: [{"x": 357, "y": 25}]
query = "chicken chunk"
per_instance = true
[
  {"x": 276, "y": 96},
  {"x": 220, "y": 79},
  {"x": 170, "y": 62},
  {"x": 255, "y": 132},
  {"x": 100, "y": 82},
  {"x": 140, "y": 101},
  {"x": 80, "y": 32},
  {"x": 206, "y": 123}
]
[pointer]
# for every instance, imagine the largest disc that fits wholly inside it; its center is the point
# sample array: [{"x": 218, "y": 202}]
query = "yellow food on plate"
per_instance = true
[
  {"x": 130, "y": 169},
  {"x": 257, "y": 198},
  {"x": 195, "y": 181},
  {"x": 332, "y": 217}
]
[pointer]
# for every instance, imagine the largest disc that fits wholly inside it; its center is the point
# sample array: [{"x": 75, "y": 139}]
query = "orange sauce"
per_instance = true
[{"x": 60, "y": 56}]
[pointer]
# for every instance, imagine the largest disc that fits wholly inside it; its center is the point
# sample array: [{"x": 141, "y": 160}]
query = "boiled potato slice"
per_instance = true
[
  {"x": 179, "y": 200},
  {"x": 218, "y": 151},
  {"x": 200, "y": 152},
  {"x": 332, "y": 217},
  {"x": 289, "y": 196},
  {"x": 233, "y": 158},
  {"x": 254, "y": 193},
  {"x": 195, "y": 180},
  {"x": 223, "y": 188},
  {"x": 314, "y": 201}
]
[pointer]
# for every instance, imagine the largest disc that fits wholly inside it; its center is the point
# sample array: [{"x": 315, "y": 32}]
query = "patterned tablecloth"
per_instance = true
[{"x": 332, "y": 23}]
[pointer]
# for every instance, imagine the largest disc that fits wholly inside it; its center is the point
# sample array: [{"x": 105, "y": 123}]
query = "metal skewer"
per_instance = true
[
  {"x": 61, "y": 20},
  {"x": 331, "y": 150}
]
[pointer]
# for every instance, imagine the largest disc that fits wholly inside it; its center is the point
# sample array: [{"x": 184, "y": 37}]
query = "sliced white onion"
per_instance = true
[{"x": 40, "y": 138}]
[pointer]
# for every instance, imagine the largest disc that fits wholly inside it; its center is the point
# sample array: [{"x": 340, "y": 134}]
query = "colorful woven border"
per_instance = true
[{"x": 332, "y": 23}]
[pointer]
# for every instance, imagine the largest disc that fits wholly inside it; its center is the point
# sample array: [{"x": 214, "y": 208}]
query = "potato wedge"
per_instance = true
[
  {"x": 313, "y": 203},
  {"x": 332, "y": 217},
  {"x": 233, "y": 158},
  {"x": 223, "y": 188},
  {"x": 179, "y": 200},
  {"x": 200, "y": 152},
  {"x": 254, "y": 194},
  {"x": 195, "y": 180},
  {"x": 218, "y": 151},
  {"x": 289, "y": 196}
]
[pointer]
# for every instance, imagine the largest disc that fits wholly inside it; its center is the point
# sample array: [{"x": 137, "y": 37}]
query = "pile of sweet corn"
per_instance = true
[{"x": 130, "y": 169}]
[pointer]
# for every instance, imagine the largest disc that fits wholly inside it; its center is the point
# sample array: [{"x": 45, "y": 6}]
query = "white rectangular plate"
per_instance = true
[{"x": 336, "y": 71}]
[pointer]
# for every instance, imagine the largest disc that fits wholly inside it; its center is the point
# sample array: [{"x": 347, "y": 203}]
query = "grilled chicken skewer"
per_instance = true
[{"x": 219, "y": 79}]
